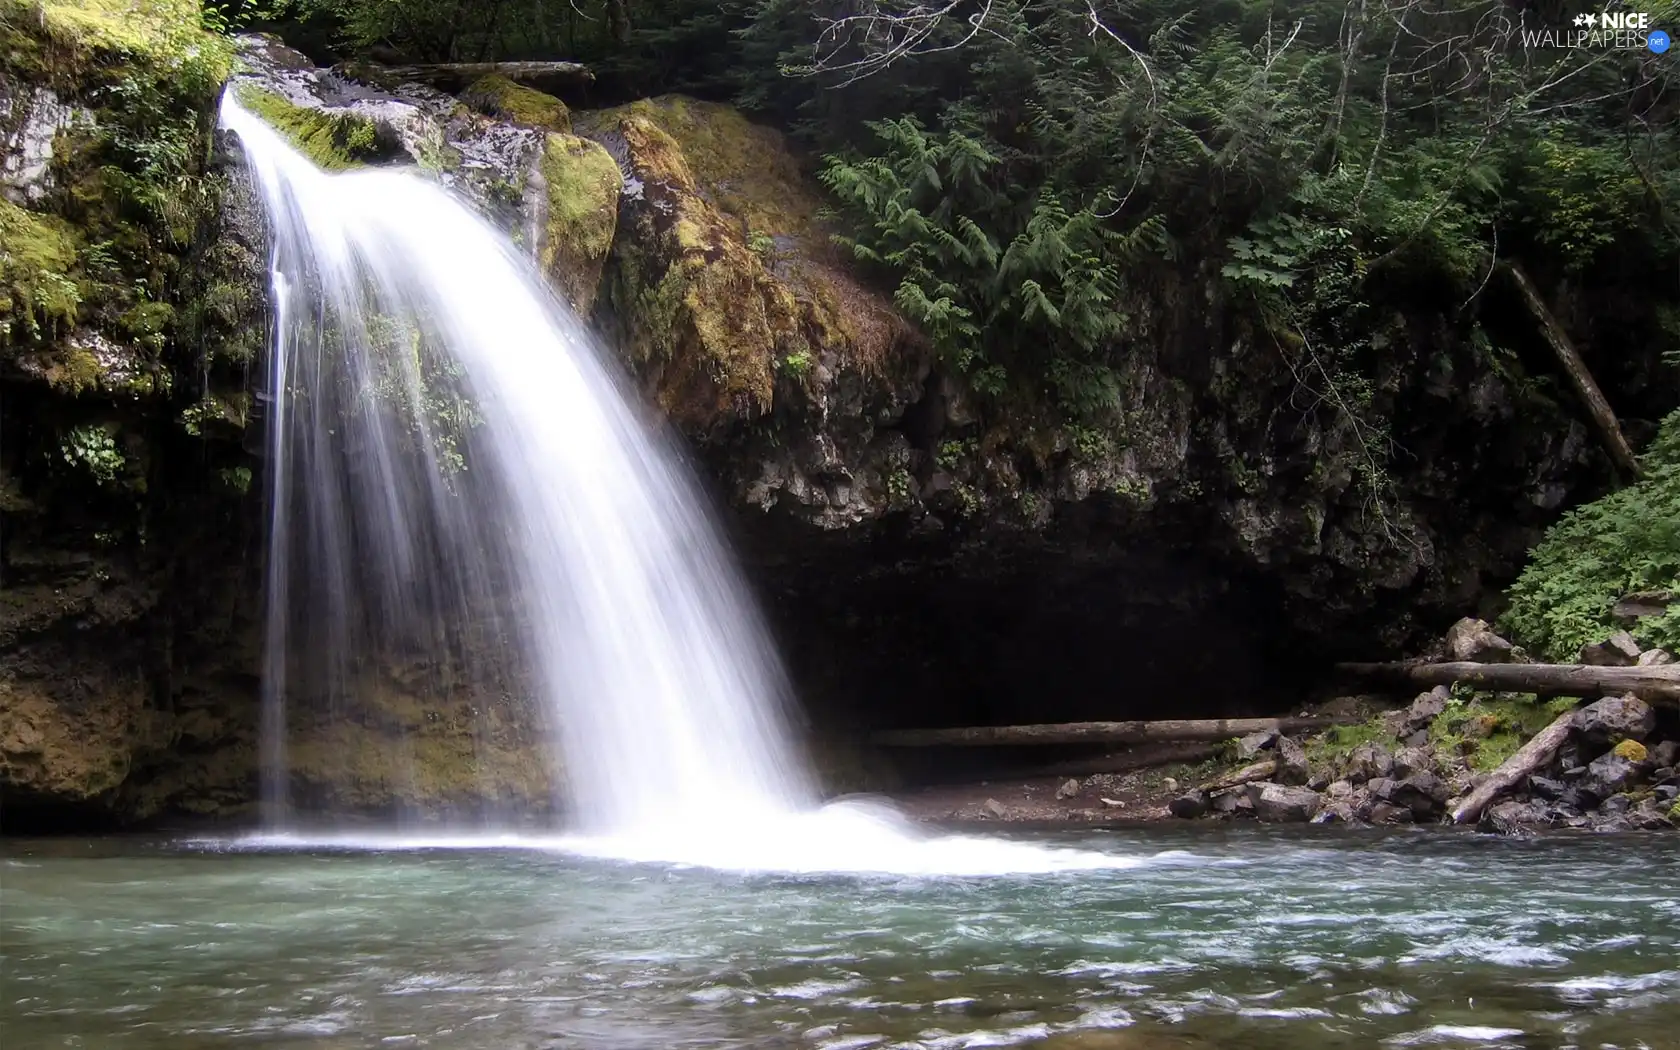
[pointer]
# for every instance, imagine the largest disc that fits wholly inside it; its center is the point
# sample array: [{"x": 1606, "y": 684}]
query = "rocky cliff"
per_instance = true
[{"x": 927, "y": 554}]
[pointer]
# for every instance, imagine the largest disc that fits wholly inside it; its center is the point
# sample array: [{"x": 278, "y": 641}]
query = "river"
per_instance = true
[{"x": 1219, "y": 937}]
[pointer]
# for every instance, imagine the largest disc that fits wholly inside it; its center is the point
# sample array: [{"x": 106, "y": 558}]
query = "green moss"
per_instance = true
[
  {"x": 1333, "y": 746},
  {"x": 583, "y": 184},
  {"x": 1674, "y": 813},
  {"x": 500, "y": 97},
  {"x": 1632, "y": 750},
  {"x": 39, "y": 292},
  {"x": 78, "y": 35},
  {"x": 334, "y": 141},
  {"x": 745, "y": 169},
  {"x": 1488, "y": 728}
]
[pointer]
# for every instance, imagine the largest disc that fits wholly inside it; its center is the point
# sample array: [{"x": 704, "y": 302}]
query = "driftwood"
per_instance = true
[
  {"x": 1127, "y": 761},
  {"x": 1603, "y": 417},
  {"x": 1531, "y": 756},
  {"x": 1168, "y": 730},
  {"x": 1659, "y": 683},
  {"x": 460, "y": 74},
  {"x": 1246, "y": 775}
]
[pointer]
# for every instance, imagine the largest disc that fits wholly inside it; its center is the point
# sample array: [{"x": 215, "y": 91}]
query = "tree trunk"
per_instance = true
[
  {"x": 1531, "y": 756},
  {"x": 1174, "y": 729},
  {"x": 1246, "y": 775},
  {"x": 1647, "y": 683},
  {"x": 1603, "y": 417},
  {"x": 456, "y": 75}
]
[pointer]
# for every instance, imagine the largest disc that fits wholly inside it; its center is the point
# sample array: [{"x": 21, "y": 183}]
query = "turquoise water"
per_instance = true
[{"x": 1220, "y": 938}]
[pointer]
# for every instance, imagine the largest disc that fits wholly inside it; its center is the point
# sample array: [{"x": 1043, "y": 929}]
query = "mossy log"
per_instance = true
[
  {"x": 1166, "y": 730},
  {"x": 1535, "y": 754},
  {"x": 1661, "y": 683},
  {"x": 455, "y": 75},
  {"x": 1603, "y": 416}
]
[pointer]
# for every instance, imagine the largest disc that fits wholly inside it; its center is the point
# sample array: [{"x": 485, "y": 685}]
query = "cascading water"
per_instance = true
[{"x": 452, "y": 470}]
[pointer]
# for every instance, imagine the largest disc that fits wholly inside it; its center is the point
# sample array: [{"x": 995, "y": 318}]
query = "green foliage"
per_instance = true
[
  {"x": 996, "y": 285},
  {"x": 1626, "y": 541},
  {"x": 39, "y": 293},
  {"x": 797, "y": 364},
  {"x": 94, "y": 450}
]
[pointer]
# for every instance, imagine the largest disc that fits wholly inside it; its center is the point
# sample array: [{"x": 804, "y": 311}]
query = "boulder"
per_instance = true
[
  {"x": 1512, "y": 817},
  {"x": 1546, "y": 788},
  {"x": 1189, "y": 805},
  {"x": 1068, "y": 789},
  {"x": 579, "y": 216},
  {"x": 1283, "y": 803},
  {"x": 993, "y": 808},
  {"x": 1618, "y": 650},
  {"x": 1614, "y": 718},
  {"x": 1473, "y": 640},
  {"x": 1234, "y": 802},
  {"x": 1631, "y": 608},
  {"x": 1254, "y": 743},
  {"x": 1339, "y": 790},
  {"x": 1388, "y": 813},
  {"x": 1412, "y": 760},
  {"x": 1423, "y": 711},
  {"x": 1666, "y": 753},
  {"x": 1655, "y": 658},
  {"x": 1292, "y": 766},
  {"x": 1609, "y": 774},
  {"x": 1421, "y": 792},
  {"x": 1338, "y": 812},
  {"x": 1368, "y": 762}
]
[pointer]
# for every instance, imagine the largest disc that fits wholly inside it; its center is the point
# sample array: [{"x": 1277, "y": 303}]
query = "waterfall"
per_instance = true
[{"x": 452, "y": 467}]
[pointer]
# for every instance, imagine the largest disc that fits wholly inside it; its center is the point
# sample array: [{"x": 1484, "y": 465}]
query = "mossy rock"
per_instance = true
[
  {"x": 500, "y": 97},
  {"x": 39, "y": 286},
  {"x": 1632, "y": 750},
  {"x": 334, "y": 140},
  {"x": 68, "y": 42},
  {"x": 718, "y": 283},
  {"x": 583, "y": 185}
]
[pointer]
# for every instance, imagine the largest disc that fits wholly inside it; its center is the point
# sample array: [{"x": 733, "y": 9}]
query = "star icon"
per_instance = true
[
  {"x": 1592, "y": 20},
  {"x": 1580, "y": 20}
]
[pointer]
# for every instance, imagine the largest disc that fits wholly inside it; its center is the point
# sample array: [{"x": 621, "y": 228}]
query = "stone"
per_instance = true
[
  {"x": 1609, "y": 774},
  {"x": 1655, "y": 658},
  {"x": 1615, "y": 718},
  {"x": 1232, "y": 803},
  {"x": 1339, "y": 789},
  {"x": 1417, "y": 739},
  {"x": 1666, "y": 792},
  {"x": 1511, "y": 817},
  {"x": 1170, "y": 783},
  {"x": 1631, "y": 608},
  {"x": 1335, "y": 813},
  {"x": 1388, "y": 813},
  {"x": 1254, "y": 743},
  {"x": 1666, "y": 753},
  {"x": 1615, "y": 804},
  {"x": 1423, "y": 711},
  {"x": 1368, "y": 762},
  {"x": 1422, "y": 792},
  {"x": 1546, "y": 788},
  {"x": 1413, "y": 760},
  {"x": 1284, "y": 803},
  {"x": 1618, "y": 650},
  {"x": 1069, "y": 789},
  {"x": 993, "y": 808},
  {"x": 1292, "y": 768},
  {"x": 1473, "y": 640},
  {"x": 1189, "y": 806}
]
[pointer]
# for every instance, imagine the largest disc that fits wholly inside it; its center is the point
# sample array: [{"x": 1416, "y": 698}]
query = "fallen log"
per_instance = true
[
  {"x": 451, "y": 75},
  {"x": 1659, "y": 683},
  {"x": 1128, "y": 761},
  {"x": 1246, "y": 775},
  {"x": 1603, "y": 416},
  {"x": 1166, "y": 730},
  {"x": 1535, "y": 754}
]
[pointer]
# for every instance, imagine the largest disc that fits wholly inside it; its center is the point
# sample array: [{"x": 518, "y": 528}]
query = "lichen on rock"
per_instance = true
[{"x": 334, "y": 140}]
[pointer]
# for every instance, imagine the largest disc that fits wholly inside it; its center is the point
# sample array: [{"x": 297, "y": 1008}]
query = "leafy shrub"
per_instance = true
[{"x": 1627, "y": 541}]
